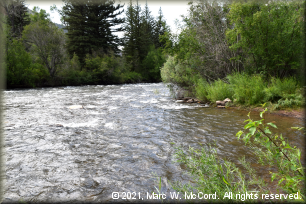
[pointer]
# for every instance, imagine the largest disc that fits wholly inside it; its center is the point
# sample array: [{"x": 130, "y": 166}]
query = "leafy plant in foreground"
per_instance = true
[
  {"x": 211, "y": 175},
  {"x": 273, "y": 150}
]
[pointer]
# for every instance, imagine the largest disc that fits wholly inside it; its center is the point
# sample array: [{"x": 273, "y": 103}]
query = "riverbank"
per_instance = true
[
  {"x": 294, "y": 113},
  {"x": 299, "y": 113}
]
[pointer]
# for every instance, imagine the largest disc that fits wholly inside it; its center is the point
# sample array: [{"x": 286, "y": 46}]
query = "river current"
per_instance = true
[{"x": 122, "y": 140}]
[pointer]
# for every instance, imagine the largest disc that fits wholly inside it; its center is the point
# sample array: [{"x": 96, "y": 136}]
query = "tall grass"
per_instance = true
[
  {"x": 219, "y": 90},
  {"x": 281, "y": 88},
  {"x": 247, "y": 89},
  {"x": 252, "y": 90}
]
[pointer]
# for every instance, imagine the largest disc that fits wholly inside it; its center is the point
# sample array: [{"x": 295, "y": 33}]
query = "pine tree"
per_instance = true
[
  {"x": 160, "y": 29},
  {"x": 17, "y": 16},
  {"x": 89, "y": 26},
  {"x": 146, "y": 32},
  {"x": 132, "y": 35}
]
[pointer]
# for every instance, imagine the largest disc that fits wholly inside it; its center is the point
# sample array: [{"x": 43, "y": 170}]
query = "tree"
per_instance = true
[
  {"x": 132, "y": 35},
  {"x": 20, "y": 69},
  {"x": 47, "y": 43},
  {"x": 160, "y": 29},
  {"x": 270, "y": 36},
  {"x": 17, "y": 16},
  {"x": 147, "y": 25},
  {"x": 90, "y": 26}
]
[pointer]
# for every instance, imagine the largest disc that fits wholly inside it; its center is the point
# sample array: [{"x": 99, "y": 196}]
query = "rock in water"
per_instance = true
[{"x": 75, "y": 107}]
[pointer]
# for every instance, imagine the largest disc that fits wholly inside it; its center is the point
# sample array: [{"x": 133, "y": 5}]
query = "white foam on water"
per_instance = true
[
  {"x": 110, "y": 125},
  {"x": 92, "y": 123},
  {"x": 112, "y": 108},
  {"x": 176, "y": 106}
]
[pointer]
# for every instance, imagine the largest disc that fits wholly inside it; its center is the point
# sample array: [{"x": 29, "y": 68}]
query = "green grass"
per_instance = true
[
  {"x": 252, "y": 90},
  {"x": 247, "y": 89}
]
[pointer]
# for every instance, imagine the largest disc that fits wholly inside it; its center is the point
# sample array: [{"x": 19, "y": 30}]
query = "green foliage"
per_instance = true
[
  {"x": 46, "y": 42},
  {"x": 178, "y": 73},
  {"x": 152, "y": 63},
  {"x": 17, "y": 16},
  {"x": 219, "y": 90},
  {"x": 247, "y": 89},
  {"x": 281, "y": 88},
  {"x": 71, "y": 74},
  {"x": 39, "y": 15},
  {"x": 209, "y": 174},
  {"x": 201, "y": 90},
  {"x": 90, "y": 25},
  {"x": 20, "y": 68},
  {"x": 273, "y": 150},
  {"x": 269, "y": 34},
  {"x": 142, "y": 34}
]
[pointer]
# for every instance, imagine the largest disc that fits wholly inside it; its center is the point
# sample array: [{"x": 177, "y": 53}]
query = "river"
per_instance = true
[{"x": 122, "y": 140}]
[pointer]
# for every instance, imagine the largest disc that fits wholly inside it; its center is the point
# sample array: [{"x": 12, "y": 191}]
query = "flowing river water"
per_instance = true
[{"x": 121, "y": 141}]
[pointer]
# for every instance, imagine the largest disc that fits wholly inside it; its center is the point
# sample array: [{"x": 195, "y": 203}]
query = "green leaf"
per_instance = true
[
  {"x": 239, "y": 134},
  {"x": 225, "y": 181},
  {"x": 273, "y": 176},
  {"x": 252, "y": 130},
  {"x": 267, "y": 131},
  {"x": 267, "y": 145},
  {"x": 280, "y": 181},
  {"x": 257, "y": 135},
  {"x": 288, "y": 146},
  {"x": 249, "y": 125},
  {"x": 293, "y": 168},
  {"x": 271, "y": 124}
]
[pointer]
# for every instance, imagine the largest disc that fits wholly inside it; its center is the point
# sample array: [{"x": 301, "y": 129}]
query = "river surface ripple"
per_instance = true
[{"x": 121, "y": 141}]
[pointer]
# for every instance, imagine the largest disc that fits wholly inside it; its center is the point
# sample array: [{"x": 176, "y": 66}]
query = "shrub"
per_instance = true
[
  {"x": 281, "y": 88},
  {"x": 219, "y": 90},
  {"x": 152, "y": 63},
  {"x": 247, "y": 89},
  {"x": 201, "y": 90},
  {"x": 211, "y": 175},
  {"x": 21, "y": 70},
  {"x": 179, "y": 74}
]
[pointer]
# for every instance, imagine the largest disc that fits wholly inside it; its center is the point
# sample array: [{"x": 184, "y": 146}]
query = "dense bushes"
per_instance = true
[
  {"x": 247, "y": 89},
  {"x": 242, "y": 88},
  {"x": 269, "y": 35},
  {"x": 21, "y": 70}
]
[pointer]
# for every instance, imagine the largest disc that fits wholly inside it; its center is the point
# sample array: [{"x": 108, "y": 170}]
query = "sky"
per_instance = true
[{"x": 172, "y": 9}]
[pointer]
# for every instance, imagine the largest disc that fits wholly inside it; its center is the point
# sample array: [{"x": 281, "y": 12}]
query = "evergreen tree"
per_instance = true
[
  {"x": 89, "y": 26},
  {"x": 146, "y": 31},
  {"x": 132, "y": 35},
  {"x": 160, "y": 29},
  {"x": 17, "y": 16}
]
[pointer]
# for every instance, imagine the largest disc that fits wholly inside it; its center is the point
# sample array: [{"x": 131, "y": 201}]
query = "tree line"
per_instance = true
[{"x": 38, "y": 53}]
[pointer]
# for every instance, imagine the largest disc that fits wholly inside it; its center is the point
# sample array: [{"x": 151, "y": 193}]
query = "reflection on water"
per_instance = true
[{"x": 121, "y": 138}]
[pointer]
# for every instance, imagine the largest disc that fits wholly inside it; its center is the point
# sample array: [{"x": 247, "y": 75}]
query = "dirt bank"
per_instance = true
[{"x": 299, "y": 113}]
